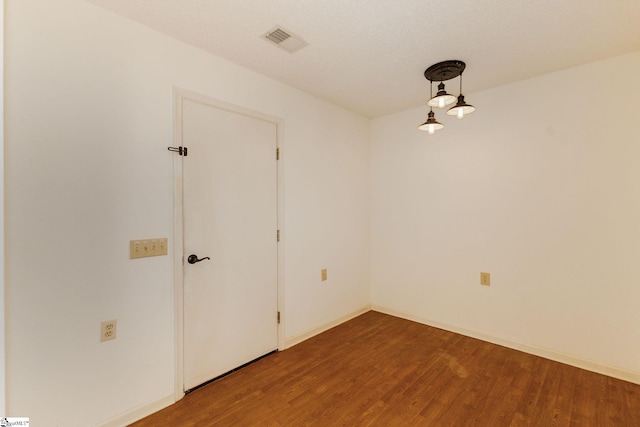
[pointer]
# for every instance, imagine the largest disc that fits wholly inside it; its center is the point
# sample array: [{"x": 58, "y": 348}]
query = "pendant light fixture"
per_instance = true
[
  {"x": 461, "y": 109},
  {"x": 442, "y": 98},
  {"x": 431, "y": 125},
  {"x": 441, "y": 72}
]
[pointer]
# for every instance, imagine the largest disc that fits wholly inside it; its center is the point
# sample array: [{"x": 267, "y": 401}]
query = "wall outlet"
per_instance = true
[
  {"x": 485, "y": 279},
  {"x": 147, "y": 247},
  {"x": 108, "y": 330},
  {"x": 323, "y": 274}
]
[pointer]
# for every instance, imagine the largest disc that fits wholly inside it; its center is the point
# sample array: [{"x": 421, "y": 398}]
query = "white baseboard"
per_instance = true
[
  {"x": 297, "y": 339},
  {"x": 138, "y": 413},
  {"x": 568, "y": 359}
]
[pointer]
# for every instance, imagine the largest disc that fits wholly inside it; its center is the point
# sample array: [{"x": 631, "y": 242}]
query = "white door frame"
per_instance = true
[{"x": 179, "y": 96}]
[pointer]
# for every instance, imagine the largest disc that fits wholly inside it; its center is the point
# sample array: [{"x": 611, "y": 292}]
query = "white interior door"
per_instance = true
[{"x": 230, "y": 216}]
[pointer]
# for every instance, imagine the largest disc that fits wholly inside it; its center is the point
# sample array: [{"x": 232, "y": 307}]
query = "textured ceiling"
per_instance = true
[{"x": 369, "y": 55}]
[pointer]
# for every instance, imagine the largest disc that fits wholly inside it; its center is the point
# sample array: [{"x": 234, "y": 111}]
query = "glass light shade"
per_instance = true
[
  {"x": 442, "y": 98},
  {"x": 431, "y": 125},
  {"x": 461, "y": 109}
]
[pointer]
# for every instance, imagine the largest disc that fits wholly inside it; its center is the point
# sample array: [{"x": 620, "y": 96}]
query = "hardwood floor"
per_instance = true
[{"x": 380, "y": 370}]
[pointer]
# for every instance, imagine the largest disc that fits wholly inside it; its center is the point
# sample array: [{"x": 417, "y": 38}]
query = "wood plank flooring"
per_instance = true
[{"x": 379, "y": 370}]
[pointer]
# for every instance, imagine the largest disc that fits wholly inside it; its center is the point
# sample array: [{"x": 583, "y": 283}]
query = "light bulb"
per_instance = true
[
  {"x": 460, "y": 114},
  {"x": 432, "y": 129},
  {"x": 441, "y": 103}
]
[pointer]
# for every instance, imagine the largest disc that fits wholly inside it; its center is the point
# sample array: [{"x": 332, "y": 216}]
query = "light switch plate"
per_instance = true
[{"x": 147, "y": 247}]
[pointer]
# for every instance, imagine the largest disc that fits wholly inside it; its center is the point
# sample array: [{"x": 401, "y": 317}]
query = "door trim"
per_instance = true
[{"x": 179, "y": 96}]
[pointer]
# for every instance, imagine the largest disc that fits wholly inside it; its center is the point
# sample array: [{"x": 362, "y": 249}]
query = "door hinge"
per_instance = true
[
  {"x": 278, "y": 318},
  {"x": 278, "y": 153},
  {"x": 180, "y": 150},
  {"x": 277, "y": 235}
]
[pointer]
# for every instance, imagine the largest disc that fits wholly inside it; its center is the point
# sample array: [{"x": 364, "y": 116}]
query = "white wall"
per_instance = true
[
  {"x": 544, "y": 197},
  {"x": 540, "y": 187},
  {"x": 88, "y": 121}
]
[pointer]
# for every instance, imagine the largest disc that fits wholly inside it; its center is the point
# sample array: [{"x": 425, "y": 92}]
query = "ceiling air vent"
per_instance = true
[{"x": 285, "y": 39}]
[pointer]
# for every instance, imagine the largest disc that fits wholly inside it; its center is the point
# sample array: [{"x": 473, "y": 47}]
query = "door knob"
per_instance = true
[{"x": 193, "y": 258}]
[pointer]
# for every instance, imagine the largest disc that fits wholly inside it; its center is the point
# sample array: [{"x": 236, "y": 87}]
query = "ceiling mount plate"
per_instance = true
[{"x": 445, "y": 70}]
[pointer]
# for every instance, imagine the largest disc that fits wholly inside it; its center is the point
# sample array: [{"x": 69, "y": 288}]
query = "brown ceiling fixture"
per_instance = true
[{"x": 441, "y": 72}]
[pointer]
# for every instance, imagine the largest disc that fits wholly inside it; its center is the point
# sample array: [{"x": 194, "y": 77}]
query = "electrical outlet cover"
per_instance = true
[
  {"x": 108, "y": 330},
  {"x": 485, "y": 279}
]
